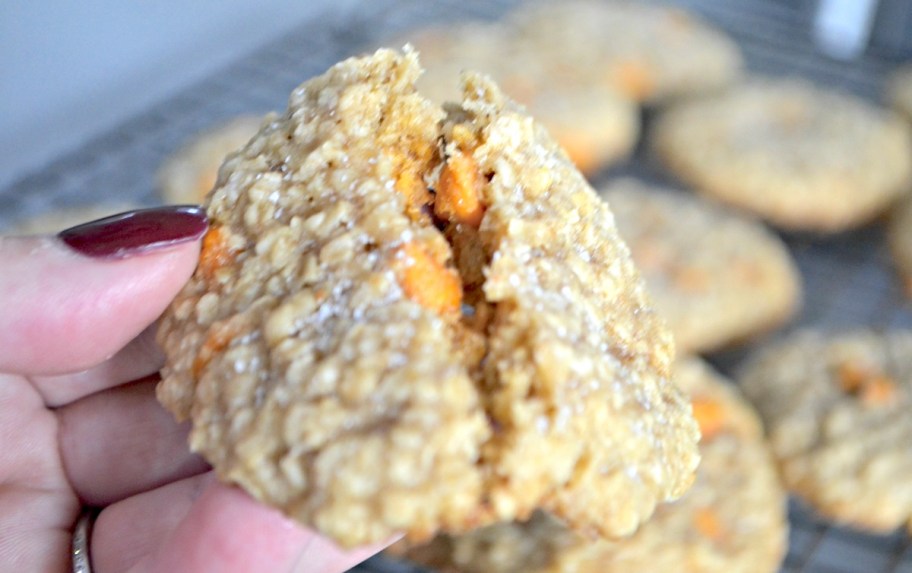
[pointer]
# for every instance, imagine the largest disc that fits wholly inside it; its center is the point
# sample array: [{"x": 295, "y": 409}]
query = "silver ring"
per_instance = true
[{"x": 79, "y": 551}]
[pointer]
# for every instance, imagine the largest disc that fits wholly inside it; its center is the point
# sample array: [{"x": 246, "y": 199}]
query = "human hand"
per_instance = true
[{"x": 80, "y": 425}]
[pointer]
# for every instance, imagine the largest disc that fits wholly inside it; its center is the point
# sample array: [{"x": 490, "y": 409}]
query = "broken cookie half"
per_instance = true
[{"x": 414, "y": 319}]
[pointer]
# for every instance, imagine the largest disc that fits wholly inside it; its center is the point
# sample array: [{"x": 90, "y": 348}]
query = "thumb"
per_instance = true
[{"x": 73, "y": 300}]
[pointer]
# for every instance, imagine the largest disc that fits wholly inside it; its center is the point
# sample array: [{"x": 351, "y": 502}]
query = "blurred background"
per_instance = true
[{"x": 71, "y": 70}]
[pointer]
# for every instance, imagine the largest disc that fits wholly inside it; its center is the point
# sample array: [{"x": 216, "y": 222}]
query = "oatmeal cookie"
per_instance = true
[
  {"x": 649, "y": 53},
  {"x": 836, "y": 409},
  {"x": 733, "y": 520},
  {"x": 800, "y": 156},
  {"x": 899, "y": 235},
  {"x": 60, "y": 219},
  {"x": 594, "y": 124},
  {"x": 190, "y": 172},
  {"x": 716, "y": 277},
  {"x": 407, "y": 319}
]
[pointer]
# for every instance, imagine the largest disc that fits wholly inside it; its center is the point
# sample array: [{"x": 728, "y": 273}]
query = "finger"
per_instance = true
[
  {"x": 221, "y": 530},
  {"x": 121, "y": 442},
  {"x": 37, "y": 507},
  {"x": 129, "y": 530},
  {"x": 324, "y": 556},
  {"x": 228, "y": 531},
  {"x": 138, "y": 359},
  {"x": 65, "y": 311}
]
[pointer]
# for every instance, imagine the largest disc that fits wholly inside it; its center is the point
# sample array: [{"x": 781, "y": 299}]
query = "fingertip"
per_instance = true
[
  {"x": 67, "y": 312},
  {"x": 136, "y": 232}
]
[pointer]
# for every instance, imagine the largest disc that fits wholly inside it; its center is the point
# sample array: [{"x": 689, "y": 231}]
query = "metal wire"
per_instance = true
[{"x": 848, "y": 278}]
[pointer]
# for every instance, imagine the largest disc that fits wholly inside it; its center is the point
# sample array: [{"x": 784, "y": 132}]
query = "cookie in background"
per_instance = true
[
  {"x": 801, "y": 156},
  {"x": 718, "y": 278},
  {"x": 649, "y": 52},
  {"x": 836, "y": 410},
  {"x": 595, "y": 124},
  {"x": 189, "y": 173},
  {"x": 733, "y": 520}
]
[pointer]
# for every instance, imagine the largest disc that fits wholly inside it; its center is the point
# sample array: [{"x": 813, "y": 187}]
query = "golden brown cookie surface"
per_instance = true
[
  {"x": 835, "y": 406},
  {"x": 800, "y": 156},
  {"x": 716, "y": 277},
  {"x": 406, "y": 321},
  {"x": 732, "y": 520}
]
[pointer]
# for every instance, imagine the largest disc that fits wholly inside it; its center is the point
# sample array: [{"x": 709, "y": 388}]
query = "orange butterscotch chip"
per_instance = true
[
  {"x": 692, "y": 279},
  {"x": 218, "y": 339},
  {"x": 411, "y": 159},
  {"x": 710, "y": 416},
  {"x": 749, "y": 271},
  {"x": 428, "y": 282},
  {"x": 215, "y": 252},
  {"x": 459, "y": 191},
  {"x": 852, "y": 376},
  {"x": 869, "y": 385},
  {"x": 410, "y": 184},
  {"x": 707, "y": 522},
  {"x": 580, "y": 151},
  {"x": 634, "y": 80},
  {"x": 878, "y": 391}
]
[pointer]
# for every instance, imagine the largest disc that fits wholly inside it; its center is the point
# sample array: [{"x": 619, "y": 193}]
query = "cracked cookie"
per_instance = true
[{"x": 409, "y": 318}]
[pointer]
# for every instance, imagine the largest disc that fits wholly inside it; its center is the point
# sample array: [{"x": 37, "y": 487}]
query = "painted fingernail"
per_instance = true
[{"x": 137, "y": 232}]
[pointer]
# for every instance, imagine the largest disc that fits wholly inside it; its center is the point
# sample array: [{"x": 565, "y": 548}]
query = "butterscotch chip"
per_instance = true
[
  {"x": 191, "y": 171},
  {"x": 594, "y": 123},
  {"x": 800, "y": 156},
  {"x": 716, "y": 277},
  {"x": 651, "y": 54},
  {"x": 328, "y": 369},
  {"x": 732, "y": 520},
  {"x": 836, "y": 410}
]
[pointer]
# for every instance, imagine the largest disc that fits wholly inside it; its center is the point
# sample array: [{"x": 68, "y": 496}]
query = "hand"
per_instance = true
[{"x": 80, "y": 425}]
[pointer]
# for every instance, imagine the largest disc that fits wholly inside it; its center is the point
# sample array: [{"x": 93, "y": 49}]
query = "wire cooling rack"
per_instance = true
[{"x": 848, "y": 278}]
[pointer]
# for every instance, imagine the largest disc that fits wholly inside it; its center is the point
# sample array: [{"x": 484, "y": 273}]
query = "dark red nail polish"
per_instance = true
[{"x": 136, "y": 232}]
